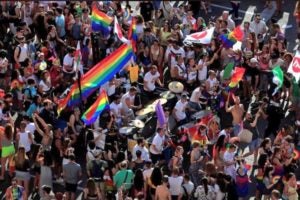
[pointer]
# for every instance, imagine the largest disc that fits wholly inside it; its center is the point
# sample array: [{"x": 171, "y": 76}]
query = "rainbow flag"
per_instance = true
[
  {"x": 99, "y": 74},
  {"x": 100, "y": 21},
  {"x": 228, "y": 40},
  {"x": 132, "y": 35},
  {"x": 237, "y": 76},
  {"x": 91, "y": 115}
]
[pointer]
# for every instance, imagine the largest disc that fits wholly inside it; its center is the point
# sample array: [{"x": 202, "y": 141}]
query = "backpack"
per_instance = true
[
  {"x": 186, "y": 196},
  {"x": 96, "y": 171},
  {"x": 27, "y": 102}
]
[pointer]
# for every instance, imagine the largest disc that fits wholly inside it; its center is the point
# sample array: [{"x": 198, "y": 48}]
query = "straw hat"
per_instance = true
[{"x": 56, "y": 62}]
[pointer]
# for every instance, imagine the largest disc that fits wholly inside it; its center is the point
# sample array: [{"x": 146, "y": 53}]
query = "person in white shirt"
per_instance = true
[
  {"x": 175, "y": 182},
  {"x": 230, "y": 22},
  {"x": 202, "y": 69},
  {"x": 179, "y": 111},
  {"x": 150, "y": 79},
  {"x": 195, "y": 98},
  {"x": 141, "y": 147},
  {"x": 68, "y": 62},
  {"x": 116, "y": 109},
  {"x": 211, "y": 82},
  {"x": 157, "y": 146},
  {"x": 229, "y": 160},
  {"x": 24, "y": 138},
  {"x": 179, "y": 71},
  {"x": 173, "y": 51},
  {"x": 128, "y": 106},
  {"x": 259, "y": 27}
]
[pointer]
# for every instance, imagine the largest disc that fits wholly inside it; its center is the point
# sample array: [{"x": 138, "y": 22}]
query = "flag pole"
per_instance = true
[{"x": 79, "y": 86}]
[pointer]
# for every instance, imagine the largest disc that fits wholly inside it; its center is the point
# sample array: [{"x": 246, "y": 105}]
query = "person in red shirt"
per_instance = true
[{"x": 55, "y": 73}]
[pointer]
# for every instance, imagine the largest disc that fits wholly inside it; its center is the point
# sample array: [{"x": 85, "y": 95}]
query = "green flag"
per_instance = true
[
  {"x": 227, "y": 71},
  {"x": 278, "y": 76}
]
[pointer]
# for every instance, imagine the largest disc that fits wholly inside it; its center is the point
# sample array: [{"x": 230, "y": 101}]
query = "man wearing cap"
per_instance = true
[
  {"x": 21, "y": 52},
  {"x": 252, "y": 73},
  {"x": 230, "y": 22}
]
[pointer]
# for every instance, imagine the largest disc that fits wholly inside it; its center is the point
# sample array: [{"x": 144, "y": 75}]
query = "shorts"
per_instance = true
[
  {"x": 23, "y": 176},
  {"x": 69, "y": 187},
  {"x": 254, "y": 145},
  {"x": 8, "y": 151}
]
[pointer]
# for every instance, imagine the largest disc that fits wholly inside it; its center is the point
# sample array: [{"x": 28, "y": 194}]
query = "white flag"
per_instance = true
[
  {"x": 294, "y": 67},
  {"x": 118, "y": 31},
  {"x": 203, "y": 37}
]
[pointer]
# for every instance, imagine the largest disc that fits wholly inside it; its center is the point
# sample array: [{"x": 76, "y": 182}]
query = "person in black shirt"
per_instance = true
[
  {"x": 146, "y": 10},
  {"x": 274, "y": 114}
]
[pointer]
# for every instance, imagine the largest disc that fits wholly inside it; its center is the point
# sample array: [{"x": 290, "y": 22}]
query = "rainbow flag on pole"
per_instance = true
[
  {"x": 98, "y": 75},
  {"x": 132, "y": 34},
  {"x": 90, "y": 116},
  {"x": 100, "y": 21}
]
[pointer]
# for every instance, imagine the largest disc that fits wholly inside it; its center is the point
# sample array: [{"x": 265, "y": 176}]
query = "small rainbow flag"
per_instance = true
[
  {"x": 98, "y": 75},
  {"x": 91, "y": 115},
  {"x": 237, "y": 76},
  {"x": 100, "y": 21},
  {"x": 228, "y": 40},
  {"x": 132, "y": 35}
]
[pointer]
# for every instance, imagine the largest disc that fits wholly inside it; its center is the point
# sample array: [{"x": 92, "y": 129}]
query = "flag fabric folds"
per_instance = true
[
  {"x": 236, "y": 76},
  {"x": 91, "y": 115},
  {"x": 100, "y": 21},
  {"x": 228, "y": 40},
  {"x": 160, "y": 114},
  {"x": 118, "y": 31},
  {"x": 294, "y": 67},
  {"x": 98, "y": 75},
  {"x": 203, "y": 37},
  {"x": 277, "y": 78},
  {"x": 228, "y": 70}
]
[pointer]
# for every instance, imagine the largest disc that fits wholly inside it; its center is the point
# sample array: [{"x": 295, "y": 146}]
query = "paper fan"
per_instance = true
[
  {"x": 296, "y": 154},
  {"x": 275, "y": 179}
]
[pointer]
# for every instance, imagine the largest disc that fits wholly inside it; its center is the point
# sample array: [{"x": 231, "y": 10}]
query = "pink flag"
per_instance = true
[
  {"x": 160, "y": 114},
  {"x": 118, "y": 31}
]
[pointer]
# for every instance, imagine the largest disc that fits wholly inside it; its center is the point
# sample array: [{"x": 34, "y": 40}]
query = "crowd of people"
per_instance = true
[{"x": 199, "y": 150}]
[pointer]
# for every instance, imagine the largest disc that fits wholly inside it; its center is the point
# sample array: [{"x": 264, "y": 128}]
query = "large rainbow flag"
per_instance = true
[
  {"x": 90, "y": 116},
  {"x": 100, "y": 21},
  {"x": 98, "y": 75}
]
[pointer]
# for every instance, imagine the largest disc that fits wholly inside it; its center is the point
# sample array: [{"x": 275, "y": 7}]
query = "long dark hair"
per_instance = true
[
  {"x": 156, "y": 176},
  {"x": 221, "y": 182},
  {"x": 262, "y": 160},
  {"x": 138, "y": 180},
  {"x": 205, "y": 185},
  {"x": 8, "y": 131},
  {"x": 220, "y": 142},
  {"x": 268, "y": 170}
]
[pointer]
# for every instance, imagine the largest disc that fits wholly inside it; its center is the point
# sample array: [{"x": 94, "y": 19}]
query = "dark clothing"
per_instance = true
[
  {"x": 275, "y": 114},
  {"x": 146, "y": 10},
  {"x": 254, "y": 130}
]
